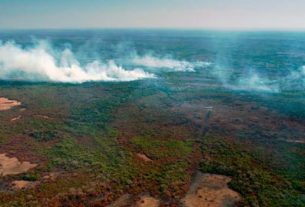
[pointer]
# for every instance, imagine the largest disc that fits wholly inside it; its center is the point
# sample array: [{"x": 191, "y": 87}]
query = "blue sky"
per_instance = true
[{"x": 222, "y": 14}]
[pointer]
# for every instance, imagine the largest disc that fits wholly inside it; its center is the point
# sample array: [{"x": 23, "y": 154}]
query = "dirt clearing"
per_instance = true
[
  {"x": 22, "y": 184},
  {"x": 6, "y": 104},
  {"x": 147, "y": 201},
  {"x": 12, "y": 166},
  {"x": 210, "y": 190}
]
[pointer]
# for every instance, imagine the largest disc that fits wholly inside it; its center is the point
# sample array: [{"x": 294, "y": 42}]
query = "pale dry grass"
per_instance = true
[
  {"x": 210, "y": 190},
  {"x": 6, "y": 104},
  {"x": 12, "y": 166}
]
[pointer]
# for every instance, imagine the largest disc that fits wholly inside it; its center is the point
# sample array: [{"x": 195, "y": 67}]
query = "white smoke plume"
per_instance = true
[
  {"x": 39, "y": 64},
  {"x": 167, "y": 63},
  {"x": 252, "y": 81},
  {"x": 257, "y": 83}
]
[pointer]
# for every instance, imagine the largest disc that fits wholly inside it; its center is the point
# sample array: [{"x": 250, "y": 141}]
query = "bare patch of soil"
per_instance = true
[
  {"x": 15, "y": 118},
  {"x": 147, "y": 201},
  {"x": 51, "y": 176},
  {"x": 12, "y": 166},
  {"x": 210, "y": 190},
  {"x": 144, "y": 157},
  {"x": 22, "y": 184},
  {"x": 6, "y": 104},
  {"x": 122, "y": 201},
  {"x": 42, "y": 116}
]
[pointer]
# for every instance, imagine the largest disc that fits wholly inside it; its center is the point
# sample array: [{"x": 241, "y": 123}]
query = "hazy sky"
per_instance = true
[{"x": 236, "y": 14}]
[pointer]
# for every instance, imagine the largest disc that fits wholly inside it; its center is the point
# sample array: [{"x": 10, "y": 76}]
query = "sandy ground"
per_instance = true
[
  {"x": 210, "y": 190},
  {"x": 16, "y": 118},
  {"x": 147, "y": 201},
  {"x": 22, "y": 184},
  {"x": 42, "y": 116},
  {"x": 143, "y": 157},
  {"x": 12, "y": 166},
  {"x": 6, "y": 104},
  {"x": 51, "y": 176},
  {"x": 122, "y": 201}
]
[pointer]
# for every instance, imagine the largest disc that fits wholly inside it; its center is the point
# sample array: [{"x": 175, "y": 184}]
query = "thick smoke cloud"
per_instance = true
[
  {"x": 39, "y": 63},
  {"x": 42, "y": 62}
]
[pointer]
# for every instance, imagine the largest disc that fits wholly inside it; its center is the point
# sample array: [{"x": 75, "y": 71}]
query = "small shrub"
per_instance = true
[{"x": 29, "y": 177}]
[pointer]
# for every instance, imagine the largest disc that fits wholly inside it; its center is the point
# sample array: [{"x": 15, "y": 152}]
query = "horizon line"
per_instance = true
[{"x": 233, "y": 29}]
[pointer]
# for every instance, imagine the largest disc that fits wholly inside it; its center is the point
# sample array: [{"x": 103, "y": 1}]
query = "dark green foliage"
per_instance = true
[
  {"x": 44, "y": 135},
  {"x": 158, "y": 148},
  {"x": 30, "y": 177}
]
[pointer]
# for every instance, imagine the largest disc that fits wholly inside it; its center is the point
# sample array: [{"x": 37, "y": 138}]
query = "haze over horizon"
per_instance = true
[{"x": 198, "y": 14}]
